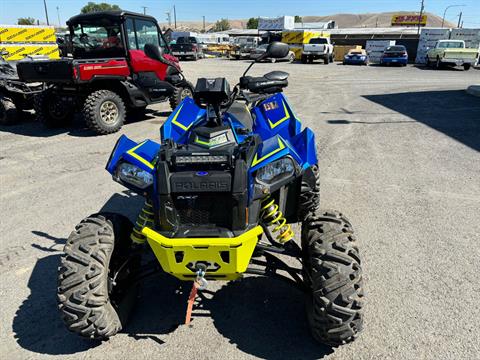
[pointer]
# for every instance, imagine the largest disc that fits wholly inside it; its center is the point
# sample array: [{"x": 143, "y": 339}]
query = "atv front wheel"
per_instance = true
[
  {"x": 104, "y": 112},
  {"x": 95, "y": 291},
  {"x": 180, "y": 93},
  {"x": 333, "y": 269},
  {"x": 8, "y": 112},
  {"x": 51, "y": 110}
]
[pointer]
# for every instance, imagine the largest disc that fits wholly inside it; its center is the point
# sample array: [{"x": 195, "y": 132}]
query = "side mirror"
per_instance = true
[
  {"x": 277, "y": 50},
  {"x": 154, "y": 52},
  {"x": 4, "y": 53}
]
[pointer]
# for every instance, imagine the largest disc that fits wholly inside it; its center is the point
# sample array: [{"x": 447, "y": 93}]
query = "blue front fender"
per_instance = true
[{"x": 140, "y": 154}]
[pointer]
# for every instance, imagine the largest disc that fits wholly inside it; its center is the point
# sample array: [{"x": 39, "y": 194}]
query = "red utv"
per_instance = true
[{"x": 120, "y": 63}]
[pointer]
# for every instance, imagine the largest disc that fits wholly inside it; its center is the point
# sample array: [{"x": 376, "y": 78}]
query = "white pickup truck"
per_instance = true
[{"x": 318, "y": 48}]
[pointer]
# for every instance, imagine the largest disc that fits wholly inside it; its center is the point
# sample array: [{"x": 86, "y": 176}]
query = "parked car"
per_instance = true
[
  {"x": 318, "y": 48},
  {"x": 451, "y": 53},
  {"x": 187, "y": 46},
  {"x": 259, "y": 51},
  {"x": 356, "y": 57},
  {"x": 396, "y": 54}
]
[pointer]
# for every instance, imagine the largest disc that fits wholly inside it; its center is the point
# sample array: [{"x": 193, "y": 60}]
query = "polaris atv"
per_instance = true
[
  {"x": 15, "y": 95},
  {"x": 232, "y": 171},
  {"x": 109, "y": 75}
]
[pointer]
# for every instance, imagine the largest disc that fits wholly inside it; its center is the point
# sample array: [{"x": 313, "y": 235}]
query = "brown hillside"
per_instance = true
[
  {"x": 372, "y": 20},
  {"x": 342, "y": 21}
]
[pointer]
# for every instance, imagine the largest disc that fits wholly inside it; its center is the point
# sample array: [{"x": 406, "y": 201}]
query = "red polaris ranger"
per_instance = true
[{"x": 113, "y": 70}]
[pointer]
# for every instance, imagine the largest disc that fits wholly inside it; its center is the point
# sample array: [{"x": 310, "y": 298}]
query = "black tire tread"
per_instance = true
[
  {"x": 8, "y": 115},
  {"x": 332, "y": 259},
  {"x": 309, "y": 199},
  {"x": 42, "y": 115},
  {"x": 90, "y": 111},
  {"x": 175, "y": 99},
  {"x": 83, "y": 278}
]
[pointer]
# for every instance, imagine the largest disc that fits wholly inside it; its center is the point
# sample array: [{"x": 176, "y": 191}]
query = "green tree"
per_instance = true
[
  {"x": 252, "y": 23},
  {"x": 26, "y": 21},
  {"x": 222, "y": 25},
  {"x": 298, "y": 19},
  {"x": 94, "y": 7}
]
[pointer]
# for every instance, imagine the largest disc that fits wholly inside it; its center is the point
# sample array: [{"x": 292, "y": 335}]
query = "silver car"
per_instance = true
[{"x": 260, "y": 50}]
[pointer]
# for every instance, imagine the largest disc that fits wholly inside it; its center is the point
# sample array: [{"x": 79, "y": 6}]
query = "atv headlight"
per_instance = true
[
  {"x": 276, "y": 171},
  {"x": 134, "y": 175}
]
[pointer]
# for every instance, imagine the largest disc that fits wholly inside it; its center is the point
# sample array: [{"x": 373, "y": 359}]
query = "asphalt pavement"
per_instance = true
[{"x": 399, "y": 154}]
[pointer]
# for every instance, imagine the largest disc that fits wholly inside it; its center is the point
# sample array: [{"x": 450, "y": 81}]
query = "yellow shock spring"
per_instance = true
[
  {"x": 145, "y": 218},
  {"x": 271, "y": 216}
]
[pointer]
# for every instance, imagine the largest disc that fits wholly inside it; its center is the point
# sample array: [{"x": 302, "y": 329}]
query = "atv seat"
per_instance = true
[
  {"x": 269, "y": 83},
  {"x": 242, "y": 114}
]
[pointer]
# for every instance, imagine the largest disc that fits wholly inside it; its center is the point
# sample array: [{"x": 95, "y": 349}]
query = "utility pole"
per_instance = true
[
  {"x": 459, "y": 19},
  {"x": 203, "y": 23},
  {"x": 46, "y": 11},
  {"x": 420, "y": 17},
  {"x": 175, "y": 16},
  {"x": 169, "y": 19},
  {"x": 144, "y": 10},
  {"x": 58, "y": 14}
]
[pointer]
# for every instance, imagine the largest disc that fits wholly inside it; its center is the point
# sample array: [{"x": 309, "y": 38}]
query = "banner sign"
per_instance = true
[{"x": 409, "y": 20}]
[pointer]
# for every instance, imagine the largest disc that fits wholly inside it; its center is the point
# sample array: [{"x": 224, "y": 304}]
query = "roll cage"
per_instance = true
[{"x": 121, "y": 25}]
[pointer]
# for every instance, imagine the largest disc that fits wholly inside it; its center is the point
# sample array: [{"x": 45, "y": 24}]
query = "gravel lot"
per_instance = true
[{"x": 399, "y": 154}]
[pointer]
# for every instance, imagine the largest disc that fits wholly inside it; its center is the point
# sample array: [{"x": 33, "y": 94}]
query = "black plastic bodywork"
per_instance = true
[{"x": 13, "y": 88}]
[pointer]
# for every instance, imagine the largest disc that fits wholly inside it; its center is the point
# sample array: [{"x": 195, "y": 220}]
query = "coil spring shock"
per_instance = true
[
  {"x": 271, "y": 216},
  {"x": 145, "y": 218}
]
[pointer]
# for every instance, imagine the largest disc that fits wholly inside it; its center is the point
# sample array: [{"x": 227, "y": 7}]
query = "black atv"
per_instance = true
[{"x": 15, "y": 95}]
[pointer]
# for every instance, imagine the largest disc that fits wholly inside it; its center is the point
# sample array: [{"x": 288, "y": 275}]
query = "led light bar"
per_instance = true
[{"x": 201, "y": 159}]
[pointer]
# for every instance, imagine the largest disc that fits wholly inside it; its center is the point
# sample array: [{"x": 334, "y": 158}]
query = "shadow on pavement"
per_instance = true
[
  {"x": 265, "y": 318},
  {"x": 346, "y": 122},
  {"x": 447, "y": 68},
  {"x": 27, "y": 126},
  {"x": 452, "y": 112},
  {"x": 37, "y": 325}
]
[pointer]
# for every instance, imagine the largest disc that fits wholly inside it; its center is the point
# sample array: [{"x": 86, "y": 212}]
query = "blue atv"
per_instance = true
[{"x": 232, "y": 171}]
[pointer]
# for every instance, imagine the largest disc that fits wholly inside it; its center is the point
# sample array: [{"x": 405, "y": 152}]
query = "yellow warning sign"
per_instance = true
[
  {"x": 302, "y": 36},
  {"x": 27, "y": 34},
  {"x": 19, "y": 51}
]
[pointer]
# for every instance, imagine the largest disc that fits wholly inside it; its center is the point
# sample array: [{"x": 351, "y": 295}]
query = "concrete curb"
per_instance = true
[{"x": 474, "y": 90}]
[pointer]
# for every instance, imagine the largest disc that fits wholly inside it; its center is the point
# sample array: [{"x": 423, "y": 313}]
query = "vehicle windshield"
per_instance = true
[
  {"x": 450, "y": 45},
  {"x": 395, "y": 48},
  {"x": 318, "y": 41},
  {"x": 186, "y": 40},
  {"x": 356, "y": 53},
  {"x": 97, "y": 40}
]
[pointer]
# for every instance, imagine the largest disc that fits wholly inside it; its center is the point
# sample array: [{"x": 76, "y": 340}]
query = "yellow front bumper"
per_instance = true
[{"x": 226, "y": 258}]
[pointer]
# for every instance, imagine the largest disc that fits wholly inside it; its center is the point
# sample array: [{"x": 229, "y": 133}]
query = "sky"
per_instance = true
[{"x": 11, "y": 10}]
